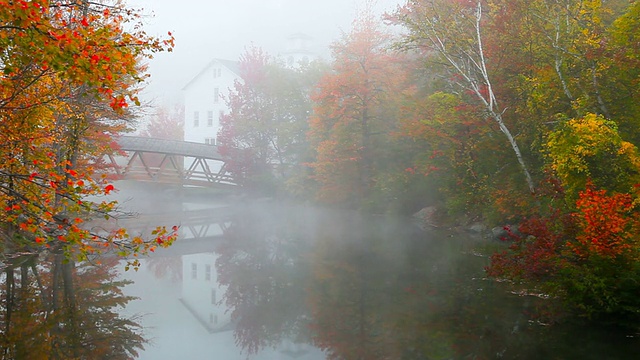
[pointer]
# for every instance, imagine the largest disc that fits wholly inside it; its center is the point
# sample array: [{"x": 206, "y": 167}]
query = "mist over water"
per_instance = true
[
  {"x": 332, "y": 182},
  {"x": 262, "y": 279},
  {"x": 270, "y": 280}
]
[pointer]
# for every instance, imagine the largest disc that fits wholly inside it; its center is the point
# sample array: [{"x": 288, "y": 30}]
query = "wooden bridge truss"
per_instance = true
[
  {"x": 200, "y": 230},
  {"x": 171, "y": 161}
]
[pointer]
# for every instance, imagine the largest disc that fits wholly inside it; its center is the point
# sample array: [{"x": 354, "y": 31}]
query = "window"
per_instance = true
[
  {"x": 210, "y": 141},
  {"x": 209, "y": 118},
  {"x": 194, "y": 271},
  {"x": 219, "y": 72},
  {"x": 196, "y": 119},
  {"x": 207, "y": 272},
  {"x": 220, "y": 115},
  {"x": 216, "y": 95},
  {"x": 213, "y": 296}
]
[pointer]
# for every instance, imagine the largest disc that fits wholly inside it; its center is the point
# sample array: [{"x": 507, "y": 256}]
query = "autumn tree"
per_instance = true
[
  {"x": 166, "y": 124},
  {"x": 589, "y": 149},
  {"x": 263, "y": 135},
  {"x": 582, "y": 249},
  {"x": 556, "y": 78},
  {"x": 56, "y": 309},
  {"x": 68, "y": 72},
  {"x": 620, "y": 70},
  {"x": 575, "y": 47},
  {"x": 455, "y": 31},
  {"x": 448, "y": 147},
  {"x": 355, "y": 111}
]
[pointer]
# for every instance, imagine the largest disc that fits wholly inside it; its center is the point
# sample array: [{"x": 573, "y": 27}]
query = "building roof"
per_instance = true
[
  {"x": 231, "y": 65},
  {"x": 299, "y": 35}
]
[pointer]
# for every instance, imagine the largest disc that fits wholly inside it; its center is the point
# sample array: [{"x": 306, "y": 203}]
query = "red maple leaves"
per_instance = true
[{"x": 606, "y": 223}]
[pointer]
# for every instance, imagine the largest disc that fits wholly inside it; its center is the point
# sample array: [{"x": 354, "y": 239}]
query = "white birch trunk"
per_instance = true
[{"x": 473, "y": 70}]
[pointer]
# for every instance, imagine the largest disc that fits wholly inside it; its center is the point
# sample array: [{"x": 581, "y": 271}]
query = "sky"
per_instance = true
[{"x": 208, "y": 29}]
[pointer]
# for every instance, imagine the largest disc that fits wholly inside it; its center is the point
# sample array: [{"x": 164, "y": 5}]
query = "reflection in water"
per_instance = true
[
  {"x": 201, "y": 291},
  {"x": 277, "y": 282},
  {"x": 55, "y": 309},
  {"x": 166, "y": 267},
  {"x": 261, "y": 266},
  {"x": 374, "y": 288}
]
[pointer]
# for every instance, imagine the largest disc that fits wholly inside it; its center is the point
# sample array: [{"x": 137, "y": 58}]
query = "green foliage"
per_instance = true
[
  {"x": 602, "y": 290},
  {"x": 622, "y": 71},
  {"x": 402, "y": 192},
  {"x": 263, "y": 136}
]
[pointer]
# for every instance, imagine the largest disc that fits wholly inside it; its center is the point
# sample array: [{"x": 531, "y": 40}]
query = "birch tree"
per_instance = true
[{"x": 453, "y": 30}]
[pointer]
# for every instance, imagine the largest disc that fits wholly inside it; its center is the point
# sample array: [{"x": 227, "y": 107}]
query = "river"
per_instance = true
[{"x": 267, "y": 280}]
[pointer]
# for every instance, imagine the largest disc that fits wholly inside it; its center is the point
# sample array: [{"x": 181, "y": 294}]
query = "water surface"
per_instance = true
[
  {"x": 265, "y": 280},
  {"x": 283, "y": 281}
]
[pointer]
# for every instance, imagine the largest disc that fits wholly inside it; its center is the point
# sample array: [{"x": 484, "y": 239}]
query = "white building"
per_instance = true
[
  {"x": 299, "y": 50},
  {"x": 205, "y": 100},
  {"x": 205, "y": 95},
  {"x": 201, "y": 292}
]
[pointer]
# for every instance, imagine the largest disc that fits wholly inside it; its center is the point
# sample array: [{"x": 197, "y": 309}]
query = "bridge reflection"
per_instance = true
[
  {"x": 201, "y": 230},
  {"x": 170, "y": 161}
]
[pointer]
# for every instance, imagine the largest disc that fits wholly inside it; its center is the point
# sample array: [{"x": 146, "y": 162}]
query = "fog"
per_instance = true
[
  {"x": 453, "y": 187},
  {"x": 204, "y": 30},
  {"x": 298, "y": 281},
  {"x": 271, "y": 247},
  {"x": 266, "y": 280}
]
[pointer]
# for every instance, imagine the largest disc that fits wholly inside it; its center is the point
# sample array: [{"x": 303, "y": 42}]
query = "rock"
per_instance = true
[
  {"x": 426, "y": 216},
  {"x": 499, "y": 233},
  {"x": 477, "y": 228},
  {"x": 502, "y": 232}
]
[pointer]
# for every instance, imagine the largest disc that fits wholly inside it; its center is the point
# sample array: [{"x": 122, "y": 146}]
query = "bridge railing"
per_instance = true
[
  {"x": 172, "y": 161},
  {"x": 164, "y": 146}
]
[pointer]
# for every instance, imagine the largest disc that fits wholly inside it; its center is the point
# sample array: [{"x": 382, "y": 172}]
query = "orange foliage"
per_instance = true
[
  {"x": 355, "y": 111},
  {"x": 68, "y": 72}
]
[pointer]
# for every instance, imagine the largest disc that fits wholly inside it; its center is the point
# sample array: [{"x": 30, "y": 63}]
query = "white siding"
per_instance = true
[
  {"x": 200, "y": 96},
  {"x": 199, "y": 290}
]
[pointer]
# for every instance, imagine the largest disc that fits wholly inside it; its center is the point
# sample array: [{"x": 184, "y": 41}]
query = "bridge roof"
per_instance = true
[{"x": 174, "y": 147}]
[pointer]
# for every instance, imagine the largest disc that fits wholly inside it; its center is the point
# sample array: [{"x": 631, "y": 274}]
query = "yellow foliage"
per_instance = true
[{"x": 591, "y": 148}]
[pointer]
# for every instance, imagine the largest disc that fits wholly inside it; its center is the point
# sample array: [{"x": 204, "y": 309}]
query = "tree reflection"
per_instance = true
[
  {"x": 169, "y": 267},
  {"x": 55, "y": 309},
  {"x": 347, "y": 299},
  {"x": 369, "y": 297},
  {"x": 260, "y": 264},
  {"x": 337, "y": 282},
  {"x": 362, "y": 288}
]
